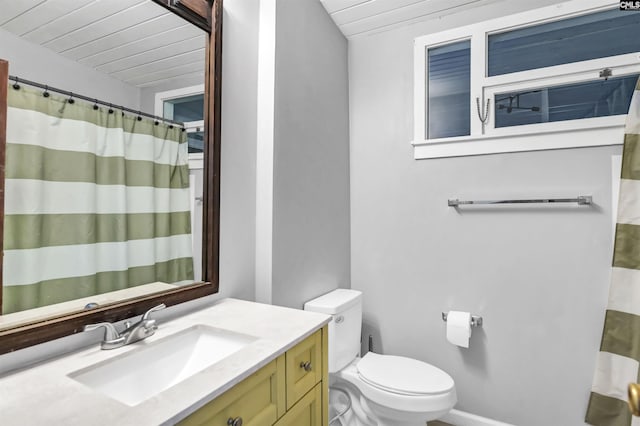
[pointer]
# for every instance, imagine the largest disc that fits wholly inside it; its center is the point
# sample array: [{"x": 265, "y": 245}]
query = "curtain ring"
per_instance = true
[
  {"x": 71, "y": 100},
  {"x": 156, "y": 122},
  {"x": 46, "y": 91},
  {"x": 110, "y": 109},
  {"x": 139, "y": 117},
  {"x": 16, "y": 85},
  {"x": 95, "y": 105}
]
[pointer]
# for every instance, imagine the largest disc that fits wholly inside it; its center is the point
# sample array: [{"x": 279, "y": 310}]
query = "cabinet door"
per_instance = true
[
  {"x": 257, "y": 401},
  {"x": 306, "y": 412},
  {"x": 304, "y": 367}
]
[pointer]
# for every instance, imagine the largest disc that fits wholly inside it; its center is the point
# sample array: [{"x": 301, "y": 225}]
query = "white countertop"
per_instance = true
[{"x": 45, "y": 395}]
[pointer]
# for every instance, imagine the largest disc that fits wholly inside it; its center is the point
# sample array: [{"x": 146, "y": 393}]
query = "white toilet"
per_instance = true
[{"x": 384, "y": 390}]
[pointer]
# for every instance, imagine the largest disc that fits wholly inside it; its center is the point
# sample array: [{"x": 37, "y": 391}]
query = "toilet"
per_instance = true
[{"x": 382, "y": 390}]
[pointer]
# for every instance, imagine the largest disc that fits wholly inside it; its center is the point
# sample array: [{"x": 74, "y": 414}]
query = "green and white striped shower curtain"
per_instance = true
[
  {"x": 617, "y": 362},
  {"x": 94, "y": 202}
]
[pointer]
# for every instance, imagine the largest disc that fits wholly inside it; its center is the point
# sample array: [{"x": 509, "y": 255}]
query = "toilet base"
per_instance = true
[
  {"x": 388, "y": 417},
  {"x": 364, "y": 412}
]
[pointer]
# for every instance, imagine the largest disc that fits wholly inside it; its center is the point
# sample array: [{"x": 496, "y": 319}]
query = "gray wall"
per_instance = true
[
  {"x": 311, "y": 155},
  {"x": 539, "y": 276},
  {"x": 37, "y": 63}
]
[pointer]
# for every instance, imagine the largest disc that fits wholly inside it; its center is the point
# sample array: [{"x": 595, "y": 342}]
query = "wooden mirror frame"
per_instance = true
[{"x": 207, "y": 15}]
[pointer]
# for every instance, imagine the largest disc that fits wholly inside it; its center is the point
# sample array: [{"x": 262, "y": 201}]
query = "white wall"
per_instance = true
[
  {"x": 238, "y": 174},
  {"x": 238, "y": 151},
  {"x": 311, "y": 155},
  {"x": 538, "y": 275},
  {"x": 39, "y": 64}
]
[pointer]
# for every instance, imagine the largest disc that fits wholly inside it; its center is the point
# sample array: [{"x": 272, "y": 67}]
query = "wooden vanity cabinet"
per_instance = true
[
  {"x": 258, "y": 400},
  {"x": 307, "y": 411},
  {"x": 291, "y": 390},
  {"x": 304, "y": 368}
]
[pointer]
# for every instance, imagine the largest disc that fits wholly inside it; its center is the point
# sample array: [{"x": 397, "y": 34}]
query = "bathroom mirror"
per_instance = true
[{"x": 151, "y": 46}]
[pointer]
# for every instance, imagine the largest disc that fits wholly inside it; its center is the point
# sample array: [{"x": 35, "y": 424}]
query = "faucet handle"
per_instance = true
[
  {"x": 154, "y": 309},
  {"x": 110, "y": 332}
]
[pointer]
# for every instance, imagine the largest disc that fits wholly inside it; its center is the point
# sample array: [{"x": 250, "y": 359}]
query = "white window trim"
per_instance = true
[
  {"x": 196, "y": 159},
  {"x": 583, "y": 133},
  {"x": 173, "y": 94}
]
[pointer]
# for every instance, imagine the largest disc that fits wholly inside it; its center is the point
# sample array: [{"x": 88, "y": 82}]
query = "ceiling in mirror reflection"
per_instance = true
[{"x": 134, "y": 41}]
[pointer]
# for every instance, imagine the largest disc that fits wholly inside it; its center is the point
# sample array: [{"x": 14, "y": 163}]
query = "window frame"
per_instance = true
[
  {"x": 161, "y": 97},
  {"x": 196, "y": 160},
  {"x": 40, "y": 331},
  {"x": 487, "y": 139}
]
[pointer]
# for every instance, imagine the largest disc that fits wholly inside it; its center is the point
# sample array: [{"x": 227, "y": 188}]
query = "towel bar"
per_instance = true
[{"x": 582, "y": 200}]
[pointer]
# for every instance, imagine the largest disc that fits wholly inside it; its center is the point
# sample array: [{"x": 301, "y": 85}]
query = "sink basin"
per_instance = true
[{"x": 142, "y": 373}]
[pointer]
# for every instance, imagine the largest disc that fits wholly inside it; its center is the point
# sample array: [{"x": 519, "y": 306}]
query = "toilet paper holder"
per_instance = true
[{"x": 476, "y": 321}]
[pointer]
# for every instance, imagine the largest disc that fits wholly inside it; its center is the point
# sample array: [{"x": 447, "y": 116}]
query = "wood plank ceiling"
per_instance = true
[
  {"x": 135, "y": 41},
  {"x": 356, "y": 17}
]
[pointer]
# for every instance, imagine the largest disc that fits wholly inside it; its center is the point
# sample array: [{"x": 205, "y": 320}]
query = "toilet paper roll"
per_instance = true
[{"x": 459, "y": 328}]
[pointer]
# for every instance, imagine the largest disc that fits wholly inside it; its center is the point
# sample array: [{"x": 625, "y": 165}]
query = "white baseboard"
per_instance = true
[{"x": 460, "y": 418}]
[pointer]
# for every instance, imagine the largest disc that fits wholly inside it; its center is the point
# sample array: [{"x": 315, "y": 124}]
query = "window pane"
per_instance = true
[
  {"x": 196, "y": 141},
  {"x": 185, "y": 109},
  {"x": 597, "y": 35},
  {"x": 449, "y": 91},
  {"x": 596, "y": 98}
]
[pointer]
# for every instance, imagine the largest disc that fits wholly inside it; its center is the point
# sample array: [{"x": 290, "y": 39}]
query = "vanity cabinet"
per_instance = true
[
  {"x": 307, "y": 411},
  {"x": 304, "y": 368},
  {"x": 258, "y": 400},
  {"x": 291, "y": 390}
]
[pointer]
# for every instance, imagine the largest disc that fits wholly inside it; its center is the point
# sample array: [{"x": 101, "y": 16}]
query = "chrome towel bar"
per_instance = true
[{"x": 582, "y": 200}]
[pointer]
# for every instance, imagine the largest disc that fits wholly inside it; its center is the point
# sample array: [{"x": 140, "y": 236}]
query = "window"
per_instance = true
[
  {"x": 449, "y": 90},
  {"x": 590, "y": 36},
  {"x": 491, "y": 86},
  {"x": 596, "y": 98},
  {"x": 187, "y": 106},
  {"x": 184, "y": 109}
]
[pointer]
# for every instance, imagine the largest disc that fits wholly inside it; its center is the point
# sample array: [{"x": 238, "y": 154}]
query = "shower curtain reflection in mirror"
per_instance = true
[{"x": 96, "y": 201}]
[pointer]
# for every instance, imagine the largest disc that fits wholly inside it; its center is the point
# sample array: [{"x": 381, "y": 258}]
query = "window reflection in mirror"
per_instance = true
[
  {"x": 187, "y": 106},
  {"x": 115, "y": 232}
]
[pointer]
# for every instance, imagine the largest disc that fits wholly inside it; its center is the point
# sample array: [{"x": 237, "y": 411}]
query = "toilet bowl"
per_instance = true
[
  {"x": 396, "y": 390},
  {"x": 384, "y": 390}
]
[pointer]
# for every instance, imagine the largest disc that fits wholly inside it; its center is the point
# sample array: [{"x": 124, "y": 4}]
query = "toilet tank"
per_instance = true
[{"x": 345, "y": 306}]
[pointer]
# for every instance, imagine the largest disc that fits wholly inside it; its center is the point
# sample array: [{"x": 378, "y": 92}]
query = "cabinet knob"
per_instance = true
[
  {"x": 234, "y": 422},
  {"x": 306, "y": 365}
]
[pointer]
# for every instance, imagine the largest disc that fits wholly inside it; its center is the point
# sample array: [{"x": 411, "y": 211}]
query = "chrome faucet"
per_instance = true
[{"x": 132, "y": 333}]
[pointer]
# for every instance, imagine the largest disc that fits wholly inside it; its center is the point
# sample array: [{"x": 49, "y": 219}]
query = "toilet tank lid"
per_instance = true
[{"x": 334, "y": 302}]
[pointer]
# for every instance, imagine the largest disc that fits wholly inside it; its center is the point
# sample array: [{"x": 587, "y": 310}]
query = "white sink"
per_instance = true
[{"x": 142, "y": 373}]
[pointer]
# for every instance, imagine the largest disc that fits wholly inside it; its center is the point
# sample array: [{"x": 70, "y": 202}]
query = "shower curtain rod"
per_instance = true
[{"x": 18, "y": 80}]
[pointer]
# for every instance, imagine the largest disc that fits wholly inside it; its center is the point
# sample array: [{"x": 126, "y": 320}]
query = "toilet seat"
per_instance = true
[
  {"x": 391, "y": 395},
  {"x": 403, "y": 376}
]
